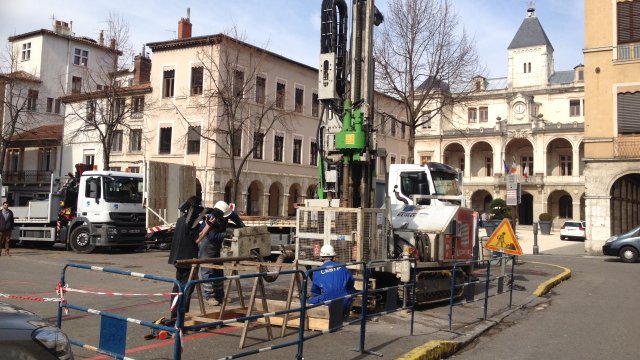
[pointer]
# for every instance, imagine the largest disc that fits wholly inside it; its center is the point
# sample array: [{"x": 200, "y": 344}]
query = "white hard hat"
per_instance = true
[
  {"x": 327, "y": 251},
  {"x": 224, "y": 207}
]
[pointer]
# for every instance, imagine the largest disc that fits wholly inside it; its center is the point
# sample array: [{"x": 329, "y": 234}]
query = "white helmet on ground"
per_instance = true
[
  {"x": 224, "y": 207},
  {"x": 327, "y": 251}
]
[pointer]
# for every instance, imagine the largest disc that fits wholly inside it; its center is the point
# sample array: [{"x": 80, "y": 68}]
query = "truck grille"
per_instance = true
[{"x": 128, "y": 219}]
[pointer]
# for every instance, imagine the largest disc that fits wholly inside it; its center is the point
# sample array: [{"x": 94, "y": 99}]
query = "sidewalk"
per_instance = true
[
  {"x": 547, "y": 244},
  {"x": 389, "y": 335}
]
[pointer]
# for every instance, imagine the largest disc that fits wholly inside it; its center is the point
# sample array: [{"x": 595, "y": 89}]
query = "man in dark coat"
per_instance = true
[
  {"x": 6, "y": 226},
  {"x": 184, "y": 246}
]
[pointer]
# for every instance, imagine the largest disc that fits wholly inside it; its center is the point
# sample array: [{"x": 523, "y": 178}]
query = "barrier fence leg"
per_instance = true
[
  {"x": 486, "y": 290},
  {"x": 363, "y": 315},
  {"x": 513, "y": 280},
  {"x": 303, "y": 315},
  {"x": 413, "y": 298}
]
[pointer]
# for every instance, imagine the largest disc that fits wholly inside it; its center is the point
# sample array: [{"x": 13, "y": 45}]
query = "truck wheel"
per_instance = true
[{"x": 81, "y": 240}]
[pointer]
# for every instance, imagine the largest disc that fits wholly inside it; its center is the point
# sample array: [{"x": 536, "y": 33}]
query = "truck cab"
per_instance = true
[
  {"x": 109, "y": 211},
  {"x": 429, "y": 184}
]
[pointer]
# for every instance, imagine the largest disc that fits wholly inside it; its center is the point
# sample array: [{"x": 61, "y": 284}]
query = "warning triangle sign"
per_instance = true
[{"x": 504, "y": 240}]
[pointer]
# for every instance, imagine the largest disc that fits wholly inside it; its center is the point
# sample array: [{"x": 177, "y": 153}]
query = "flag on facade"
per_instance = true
[
  {"x": 525, "y": 172},
  {"x": 506, "y": 167},
  {"x": 514, "y": 167}
]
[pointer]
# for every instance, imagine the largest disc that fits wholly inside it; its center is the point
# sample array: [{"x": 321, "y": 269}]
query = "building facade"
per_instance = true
[
  {"x": 45, "y": 66},
  {"x": 612, "y": 123},
  {"x": 529, "y": 124}
]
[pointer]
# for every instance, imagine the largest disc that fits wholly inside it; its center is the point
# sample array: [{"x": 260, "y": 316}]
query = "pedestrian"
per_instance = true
[
  {"x": 484, "y": 217},
  {"x": 184, "y": 246},
  {"x": 332, "y": 281},
  {"x": 6, "y": 226},
  {"x": 214, "y": 231}
]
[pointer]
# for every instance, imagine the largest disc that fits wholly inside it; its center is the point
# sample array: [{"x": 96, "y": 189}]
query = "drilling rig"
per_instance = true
[{"x": 424, "y": 219}]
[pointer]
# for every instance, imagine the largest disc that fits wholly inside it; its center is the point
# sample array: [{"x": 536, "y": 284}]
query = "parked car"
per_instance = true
[
  {"x": 25, "y": 335},
  {"x": 626, "y": 246},
  {"x": 573, "y": 229}
]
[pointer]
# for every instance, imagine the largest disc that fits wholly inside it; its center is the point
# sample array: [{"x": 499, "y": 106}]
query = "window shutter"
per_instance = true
[{"x": 629, "y": 113}]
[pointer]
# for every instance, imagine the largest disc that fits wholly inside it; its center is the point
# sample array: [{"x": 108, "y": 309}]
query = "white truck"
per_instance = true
[{"x": 87, "y": 210}]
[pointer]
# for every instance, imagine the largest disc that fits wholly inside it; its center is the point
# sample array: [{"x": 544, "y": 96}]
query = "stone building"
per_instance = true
[
  {"x": 612, "y": 123},
  {"x": 529, "y": 123}
]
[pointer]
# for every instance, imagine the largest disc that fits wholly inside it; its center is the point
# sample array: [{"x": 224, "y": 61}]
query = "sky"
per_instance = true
[{"x": 292, "y": 27}]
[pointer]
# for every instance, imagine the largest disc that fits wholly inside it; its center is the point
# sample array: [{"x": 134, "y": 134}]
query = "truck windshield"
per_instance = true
[
  {"x": 122, "y": 189},
  {"x": 446, "y": 183}
]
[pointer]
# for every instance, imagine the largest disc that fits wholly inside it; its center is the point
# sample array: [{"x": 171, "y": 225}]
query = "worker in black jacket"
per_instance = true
[{"x": 184, "y": 246}]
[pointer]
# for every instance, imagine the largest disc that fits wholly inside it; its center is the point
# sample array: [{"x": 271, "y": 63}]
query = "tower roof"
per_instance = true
[{"x": 530, "y": 33}]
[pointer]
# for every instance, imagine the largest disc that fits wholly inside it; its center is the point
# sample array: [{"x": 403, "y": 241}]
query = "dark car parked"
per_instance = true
[
  {"x": 26, "y": 336},
  {"x": 626, "y": 246}
]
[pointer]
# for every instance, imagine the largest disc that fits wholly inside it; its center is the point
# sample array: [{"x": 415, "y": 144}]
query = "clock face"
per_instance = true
[{"x": 519, "y": 107}]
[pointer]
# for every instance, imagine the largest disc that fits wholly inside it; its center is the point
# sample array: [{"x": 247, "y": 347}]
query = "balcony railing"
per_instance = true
[
  {"x": 26, "y": 177},
  {"x": 626, "y": 147},
  {"x": 628, "y": 51}
]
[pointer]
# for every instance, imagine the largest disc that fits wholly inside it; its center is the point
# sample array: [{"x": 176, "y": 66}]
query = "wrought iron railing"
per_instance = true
[
  {"x": 26, "y": 177},
  {"x": 626, "y": 147},
  {"x": 628, "y": 51}
]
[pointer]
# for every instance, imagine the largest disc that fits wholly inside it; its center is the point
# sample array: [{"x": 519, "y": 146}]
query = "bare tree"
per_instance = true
[
  {"x": 234, "y": 73},
  {"x": 425, "y": 60},
  {"x": 18, "y": 101},
  {"x": 107, "y": 101}
]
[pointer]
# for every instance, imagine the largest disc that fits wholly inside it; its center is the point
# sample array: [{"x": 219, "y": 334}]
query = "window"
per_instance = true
[
  {"x": 393, "y": 127},
  {"x": 297, "y": 151},
  {"x": 402, "y": 160},
  {"x": 164, "y": 146},
  {"x": 14, "y": 159},
  {"x": 488, "y": 166},
  {"x": 89, "y": 159},
  {"x": 26, "y": 51},
  {"x": 238, "y": 83},
  {"x": 574, "y": 107},
  {"x": 280, "y": 95},
  {"x": 193, "y": 140},
  {"x": 133, "y": 169},
  {"x": 57, "y": 107},
  {"x": 424, "y": 159},
  {"x": 565, "y": 165},
  {"x": 261, "y": 87},
  {"x": 461, "y": 164},
  {"x": 315, "y": 105},
  {"x": 402, "y": 130},
  {"x": 628, "y": 22},
  {"x": 115, "y": 168},
  {"x": 527, "y": 163},
  {"x": 527, "y": 67},
  {"x": 483, "y": 113},
  {"x": 472, "y": 115},
  {"x": 299, "y": 99},
  {"x": 393, "y": 159},
  {"x": 76, "y": 84},
  {"x": 197, "y": 76},
  {"x": 426, "y": 118},
  {"x": 580, "y": 75},
  {"x": 628, "y": 110},
  {"x": 90, "y": 114},
  {"x": 237, "y": 143},
  {"x": 49, "y": 105},
  {"x": 116, "y": 141},
  {"x": 313, "y": 153},
  {"x": 80, "y": 57},
  {"x": 119, "y": 107},
  {"x": 168, "y": 78},
  {"x": 258, "y": 139},
  {"x": 278, "y": 147},
  {"x": 46, "y": 159},
  {"x": 32, "y": 100},
  {"x": 138, "y": 106},
  {"x": 135, "y": 140}
]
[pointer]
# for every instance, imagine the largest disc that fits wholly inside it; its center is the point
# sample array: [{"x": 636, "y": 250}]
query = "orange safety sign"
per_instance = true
[{"x": 504, "y": 240}]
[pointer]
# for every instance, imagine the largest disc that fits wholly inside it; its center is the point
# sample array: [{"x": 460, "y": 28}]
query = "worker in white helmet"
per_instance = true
[
  {"x": 331, "y": 282},
  {"x": 214, "y": 231}
]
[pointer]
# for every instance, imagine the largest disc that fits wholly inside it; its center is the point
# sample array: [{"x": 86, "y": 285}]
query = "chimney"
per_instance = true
[
  {"x": 184, "y": 26},
  {"x": 112, "y": 43},
  {"x": 142, "y": 72},
  {"x": 101, "y": 38}
]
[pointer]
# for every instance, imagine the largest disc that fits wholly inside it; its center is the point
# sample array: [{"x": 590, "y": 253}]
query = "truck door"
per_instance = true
[
  {"x": 415, "y": 183},
  {"x": 89, "y": 204}
]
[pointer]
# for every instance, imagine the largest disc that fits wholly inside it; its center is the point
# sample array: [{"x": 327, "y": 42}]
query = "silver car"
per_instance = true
[{"x": 26, "y": 336}]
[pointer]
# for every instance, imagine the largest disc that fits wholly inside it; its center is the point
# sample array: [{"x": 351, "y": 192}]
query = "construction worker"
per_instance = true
[
  {"x": 183, "y": 246},
  {"x": 331, "y": 282},
  {"x": 214, "y": 231}
]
